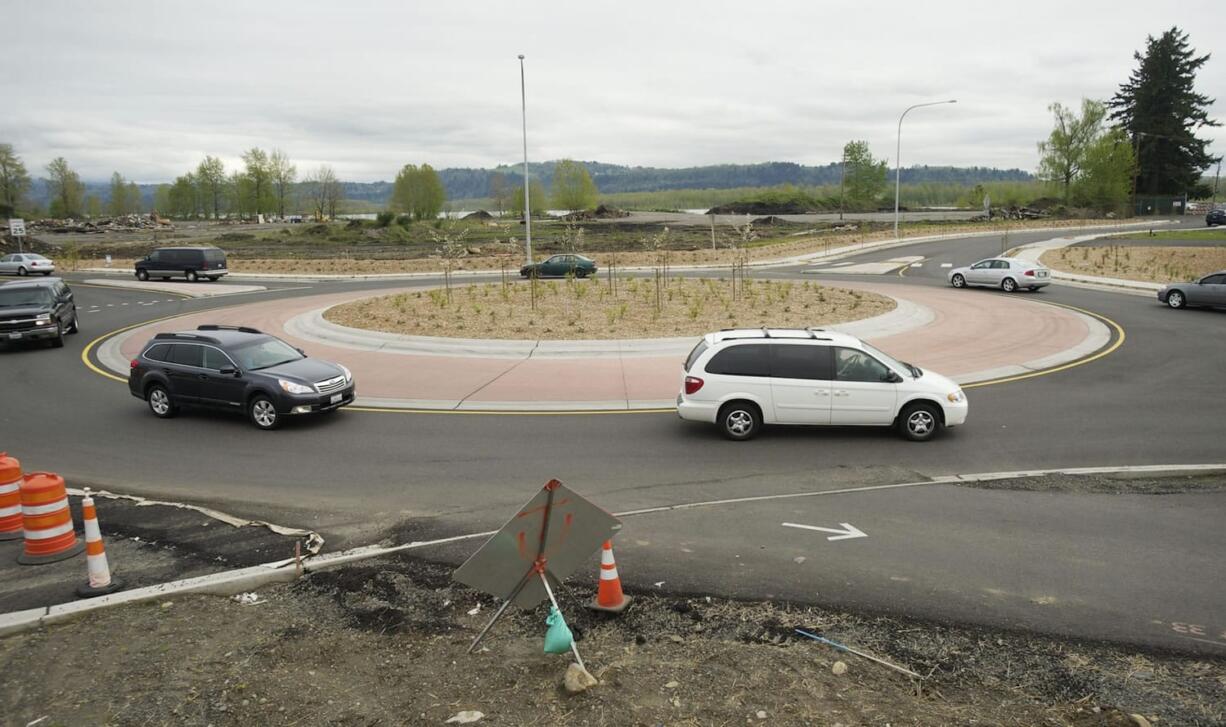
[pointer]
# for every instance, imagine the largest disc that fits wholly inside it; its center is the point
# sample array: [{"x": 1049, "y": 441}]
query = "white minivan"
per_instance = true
[{"x": 742, "y": 379}]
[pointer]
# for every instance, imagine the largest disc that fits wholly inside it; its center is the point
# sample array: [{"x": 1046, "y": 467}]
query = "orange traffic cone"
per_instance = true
[
  {"x": 609, "y": 596},
  {"x": 10, "y": 497},
  {"x": 100, "y": 581},
  {"x": 46, "y": 520}
]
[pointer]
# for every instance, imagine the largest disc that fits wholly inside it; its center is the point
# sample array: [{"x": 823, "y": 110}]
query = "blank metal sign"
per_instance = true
[{"x": 576, "y": 529}]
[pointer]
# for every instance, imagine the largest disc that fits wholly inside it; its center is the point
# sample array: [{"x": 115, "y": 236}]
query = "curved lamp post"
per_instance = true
[
  {"x": 523, "y": 100},
  {"x": 898, "y": 155}
]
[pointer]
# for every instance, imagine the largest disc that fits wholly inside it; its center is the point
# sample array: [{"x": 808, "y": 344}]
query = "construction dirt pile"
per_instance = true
[
  {"x": 384, "y": 641},
  {"x": 119, "y": 223}
]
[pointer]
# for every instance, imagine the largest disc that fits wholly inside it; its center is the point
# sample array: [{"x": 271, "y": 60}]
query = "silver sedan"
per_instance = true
[
  {"x": 26, "y": 264},
  {"x": 1006, "y": 273}
]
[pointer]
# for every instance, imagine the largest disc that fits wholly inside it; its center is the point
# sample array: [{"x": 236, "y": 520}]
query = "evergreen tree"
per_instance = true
[
  {"x": 864, "y": 177},
  {"x": 14, "y": 181},
  {"x": 1161, "y": 111}
]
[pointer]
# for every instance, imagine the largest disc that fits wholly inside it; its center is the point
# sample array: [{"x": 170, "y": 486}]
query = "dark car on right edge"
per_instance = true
[
  {"x": 238, "y": 369},
  {"x": 1216, "y": 217}
]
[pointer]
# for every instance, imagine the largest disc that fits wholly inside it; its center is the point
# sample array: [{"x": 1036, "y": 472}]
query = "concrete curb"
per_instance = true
[
  {"x": 245, "y": 579},
  {"x": 191, "y": 290}
]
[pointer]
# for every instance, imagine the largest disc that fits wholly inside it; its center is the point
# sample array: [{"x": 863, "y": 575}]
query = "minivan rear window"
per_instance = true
[
  {"x": 698, "y": 350},
  {"x": 214, "y": 256},
  {"x": 752, "y": 359}
]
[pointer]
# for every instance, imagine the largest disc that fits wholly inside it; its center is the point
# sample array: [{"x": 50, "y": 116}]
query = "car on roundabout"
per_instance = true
[
  {"x": 742, "y": 379},
  {"x": 1216, "y": 216},
  {"x": 236, "y": 368},
  {"x": 560, "y": 266},
  {"x": 37, "y": 310},
  {"x": 26, "y": 263},
  {"x": 1208, "y": 292},
  {"x": 1007, "y": 273}
]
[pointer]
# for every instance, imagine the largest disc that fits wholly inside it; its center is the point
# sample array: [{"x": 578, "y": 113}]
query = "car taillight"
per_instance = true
[
  {"x": 692, "y": 384},
  {"x": 1029, "y": 273},
  {"x": 133, "y": 363}
]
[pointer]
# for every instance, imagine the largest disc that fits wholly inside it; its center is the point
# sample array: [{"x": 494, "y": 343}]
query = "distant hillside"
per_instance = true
[{"x": 614, "y": 179}]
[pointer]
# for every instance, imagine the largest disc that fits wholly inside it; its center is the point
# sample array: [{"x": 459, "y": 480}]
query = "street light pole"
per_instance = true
[
  {"x": 523, "y": 100},
  {"x": 898, "y": 155}
]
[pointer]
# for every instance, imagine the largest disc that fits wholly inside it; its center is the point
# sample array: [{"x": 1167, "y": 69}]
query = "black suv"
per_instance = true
[
  {"x": 1216, "y": 217},
  {"x": 41, "y": 310},
  {"x": 236, "y": 368},
  {"x": 192, "y": 263}
]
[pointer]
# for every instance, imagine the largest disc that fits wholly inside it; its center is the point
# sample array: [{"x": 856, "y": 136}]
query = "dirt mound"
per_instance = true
[
  {"x": 602, "y": 212},
  {"x": 769, "y": 220},
  {"x": 762, "y": 208},
  {"x": 480, "y": 215}
]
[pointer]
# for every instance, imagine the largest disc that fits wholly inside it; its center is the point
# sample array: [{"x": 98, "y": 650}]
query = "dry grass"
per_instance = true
[
  {"x": 345, "y": 264},
  {"x": 1151, "y": 264},
  {"x": 589, "y": 309}
]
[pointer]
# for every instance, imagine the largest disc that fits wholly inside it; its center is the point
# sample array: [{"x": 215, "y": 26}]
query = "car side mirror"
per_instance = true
[
  {"x": 299, "y": 350},
  {"x": 229, "y": 371},
  {"x": 891, "y": 377}
]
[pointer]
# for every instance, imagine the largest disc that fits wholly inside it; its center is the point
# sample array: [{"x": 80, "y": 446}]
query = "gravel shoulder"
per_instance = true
[{"x": 383, "y": 643}]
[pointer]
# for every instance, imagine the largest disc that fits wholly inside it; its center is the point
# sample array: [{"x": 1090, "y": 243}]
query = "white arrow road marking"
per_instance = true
[
  {"x": 848, "y": 532},
  {"x": 947, "y": 265}
]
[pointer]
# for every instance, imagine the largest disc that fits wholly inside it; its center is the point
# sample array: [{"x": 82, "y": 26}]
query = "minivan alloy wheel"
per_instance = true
[
  {"x": 921, "y": 422},
  {"x": 739, "y": 422}
]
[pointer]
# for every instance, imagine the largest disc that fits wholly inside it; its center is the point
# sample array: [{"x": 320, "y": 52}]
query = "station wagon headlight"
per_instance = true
[
  {"x": 956, "y": 397},
  {"x": 295, "y": 388},
  {"x": 42, "y": 319},
  {"x": 348, "y": 373}
]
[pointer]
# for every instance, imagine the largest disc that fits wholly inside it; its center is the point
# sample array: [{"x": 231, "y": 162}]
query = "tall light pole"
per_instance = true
[
  {"x": 898, "y": 155},
  {"x": 523, "y": 100}
]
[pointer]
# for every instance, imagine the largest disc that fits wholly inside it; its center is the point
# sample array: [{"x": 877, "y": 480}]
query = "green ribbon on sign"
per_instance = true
[{"x": 557, "y": 637}]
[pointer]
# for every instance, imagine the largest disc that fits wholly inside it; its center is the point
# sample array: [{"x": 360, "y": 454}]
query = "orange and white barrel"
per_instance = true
[
  {"x": 98, "y": 569},
  {"x": 10, "y": 497},
  {"x": 46, "y": 521}
]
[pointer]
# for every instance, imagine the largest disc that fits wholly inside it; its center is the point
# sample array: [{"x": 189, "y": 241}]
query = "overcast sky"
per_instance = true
[{"x": 149, "y": 88}]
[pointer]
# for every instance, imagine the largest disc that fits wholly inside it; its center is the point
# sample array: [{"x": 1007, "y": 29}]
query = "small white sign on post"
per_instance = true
[
  {"x": 108, "y": 261},
  {"x": 17, "y": 228}
]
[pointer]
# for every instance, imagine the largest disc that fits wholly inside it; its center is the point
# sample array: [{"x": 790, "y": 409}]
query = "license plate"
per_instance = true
[
  {"x": 1042, "y": 273},
  {"x": 14, "y": 336},
  {"x": 337, "y": 397}
]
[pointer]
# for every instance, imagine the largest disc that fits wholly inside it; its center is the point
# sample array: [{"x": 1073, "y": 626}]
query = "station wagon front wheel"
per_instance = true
[
  {"x": 263, "y": 413},
  {"x": 740, "y": 420}
]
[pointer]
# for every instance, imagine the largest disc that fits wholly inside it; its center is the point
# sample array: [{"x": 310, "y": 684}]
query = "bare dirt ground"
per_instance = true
[
  {"x": 1150, "y": 264},
  {"x": 590, "y": 309},
  {"x": 383, "y": 643}
]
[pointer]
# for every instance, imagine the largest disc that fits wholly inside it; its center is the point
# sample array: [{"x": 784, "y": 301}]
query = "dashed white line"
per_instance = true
[{"x": 947, "y": 265}]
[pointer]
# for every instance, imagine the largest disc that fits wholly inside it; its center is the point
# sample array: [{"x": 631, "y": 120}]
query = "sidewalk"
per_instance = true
[
  {"x": 969, "y": 336},
  {"x": 1035, "y": 251}
]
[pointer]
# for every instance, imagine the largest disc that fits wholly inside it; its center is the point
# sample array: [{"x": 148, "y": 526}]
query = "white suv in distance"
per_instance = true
[{"x": 742, "y": 379}]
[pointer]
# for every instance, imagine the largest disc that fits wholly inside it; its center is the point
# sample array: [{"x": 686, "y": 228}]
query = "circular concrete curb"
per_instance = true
[{"x": 313, "y": 326}]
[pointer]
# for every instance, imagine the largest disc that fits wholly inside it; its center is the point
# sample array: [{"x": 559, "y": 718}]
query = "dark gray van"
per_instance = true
[{"x": 191, "y": 263}]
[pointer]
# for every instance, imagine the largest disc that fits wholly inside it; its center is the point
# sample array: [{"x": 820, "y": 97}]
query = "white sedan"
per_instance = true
[
  {"x": 26, "y": 263},
  {"x": 1006, "y": 273}
]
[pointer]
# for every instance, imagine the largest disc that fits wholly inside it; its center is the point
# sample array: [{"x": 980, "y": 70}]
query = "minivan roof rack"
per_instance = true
[
  {"x": 217, "y": 327},
  {"x": 765, "y": 333}
]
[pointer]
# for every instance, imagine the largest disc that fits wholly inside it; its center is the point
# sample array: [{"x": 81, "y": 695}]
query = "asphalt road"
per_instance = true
[{"x": 936, "y": 551}]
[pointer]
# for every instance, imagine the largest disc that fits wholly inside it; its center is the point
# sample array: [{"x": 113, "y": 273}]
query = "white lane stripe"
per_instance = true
[
  {"x": 917, "y": 265},
  {"x": 947, "y": 265},
  {"x": 44, "y": 509},
  {"x": 54, "y": 532}
]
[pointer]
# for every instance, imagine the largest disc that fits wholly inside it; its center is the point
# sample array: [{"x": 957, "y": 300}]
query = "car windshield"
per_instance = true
[
  {"x": 24, "y": 297},
  {"x": 890, "y": 361},
  {"x": 264, "y": 353}
]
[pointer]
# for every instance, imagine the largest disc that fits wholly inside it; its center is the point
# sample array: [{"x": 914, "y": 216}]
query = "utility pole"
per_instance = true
[
  {"x": 523, "y": 100},
  {"x": 1216, "y": 176}
]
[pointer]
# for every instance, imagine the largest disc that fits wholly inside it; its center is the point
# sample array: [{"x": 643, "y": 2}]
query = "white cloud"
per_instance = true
[{"x": 149, "y": 88}]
